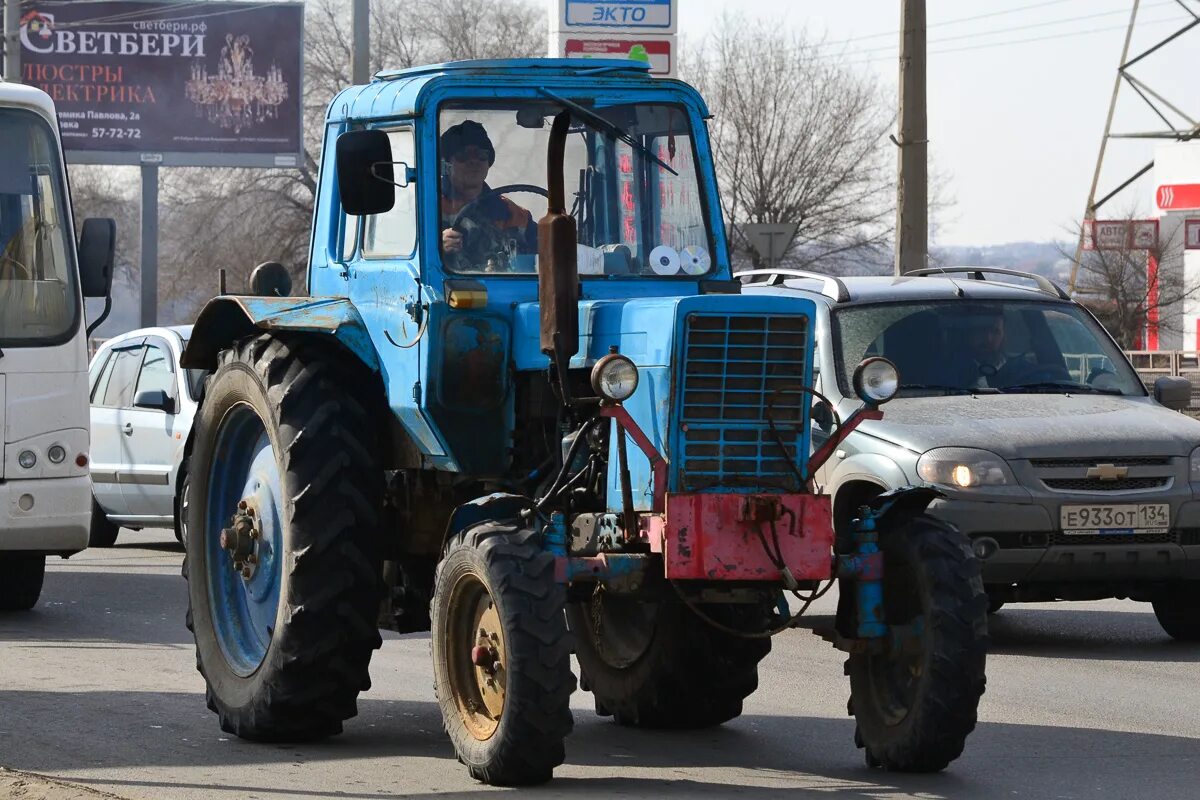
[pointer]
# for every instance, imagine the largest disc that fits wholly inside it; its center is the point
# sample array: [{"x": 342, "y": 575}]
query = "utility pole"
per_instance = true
[
  {"x": 12, "y": 41},
  {"x": 149, "y": 225},
  {"x": 360, "y": 24},
  {"x": 912, "y": 200}
]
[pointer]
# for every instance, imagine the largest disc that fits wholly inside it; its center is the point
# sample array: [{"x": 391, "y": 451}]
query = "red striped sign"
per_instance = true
[{"x": 1174, "y": 196}]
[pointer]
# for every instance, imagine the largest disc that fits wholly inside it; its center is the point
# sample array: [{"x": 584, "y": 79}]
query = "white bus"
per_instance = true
[{"x": 45, "y": 495}]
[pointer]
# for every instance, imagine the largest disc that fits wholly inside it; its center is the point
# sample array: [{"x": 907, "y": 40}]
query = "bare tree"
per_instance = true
[
  {"x": 1114, "y": 282},
  {"x": 798, "y": 137}
]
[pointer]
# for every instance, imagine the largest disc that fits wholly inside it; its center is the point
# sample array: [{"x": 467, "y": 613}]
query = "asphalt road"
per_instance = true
[{"x": 98, "y": 688}]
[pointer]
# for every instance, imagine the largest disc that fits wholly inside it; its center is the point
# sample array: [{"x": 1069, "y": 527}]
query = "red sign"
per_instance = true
[
  {"x": 656, "y": 53},
  {"x": 1120, "y": 234},
  {"x": 1174, "y": 196}
]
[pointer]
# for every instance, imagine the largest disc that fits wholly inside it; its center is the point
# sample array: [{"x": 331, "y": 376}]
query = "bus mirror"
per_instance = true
[
  {"x": 365, "y": 176},
  {"x": 97, "y": 248}
]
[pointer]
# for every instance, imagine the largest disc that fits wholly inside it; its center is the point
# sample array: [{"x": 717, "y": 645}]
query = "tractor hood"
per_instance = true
[{"x": 644, "y": 329}]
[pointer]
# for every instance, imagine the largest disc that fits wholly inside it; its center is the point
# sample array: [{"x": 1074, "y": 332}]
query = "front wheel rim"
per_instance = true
[
  {"x": 476, "y": 656},
  {"x": 244, "y": 582}
]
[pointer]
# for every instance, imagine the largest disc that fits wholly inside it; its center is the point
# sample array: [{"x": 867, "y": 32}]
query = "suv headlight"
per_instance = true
[
  {"x": 963, "y": 468},
  {"x": 1194, "y": 466}
]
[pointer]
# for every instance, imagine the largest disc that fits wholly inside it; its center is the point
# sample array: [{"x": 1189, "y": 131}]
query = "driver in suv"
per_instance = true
[{"x": 467, "y": 203}]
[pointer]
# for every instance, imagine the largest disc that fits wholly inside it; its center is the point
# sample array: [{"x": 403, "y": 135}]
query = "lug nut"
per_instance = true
[
  {"x": 250, "y": 512},
  {"x": 237, "y": 566},
  {"x": 252, "y": 559},
  {"x": 247, "y": 572},
  {"x": 254, "y": 534},
  {"x": 242, "y": 505}
]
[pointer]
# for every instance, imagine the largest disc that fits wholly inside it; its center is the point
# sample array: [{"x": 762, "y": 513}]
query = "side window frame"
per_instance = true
[
  {"x": 101, "y": 367},
  {"x": 169, "y": 356},
  {"x": 363, "y": 222}
]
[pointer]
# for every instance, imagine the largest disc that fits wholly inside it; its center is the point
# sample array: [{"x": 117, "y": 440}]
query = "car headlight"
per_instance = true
[
  {"x": 614, "y": 377},
  {"x": 963, "y": 468},
  {"x": 876, "y": 380},
  {"x": 1194, "y": 465}
]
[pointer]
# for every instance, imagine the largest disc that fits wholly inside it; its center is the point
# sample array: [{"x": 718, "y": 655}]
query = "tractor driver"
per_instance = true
[{"x": 493, "y": 226}]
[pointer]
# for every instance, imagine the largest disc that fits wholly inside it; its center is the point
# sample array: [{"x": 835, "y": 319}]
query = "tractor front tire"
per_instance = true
[
  {"x": 916, "y": 704},
  {"x": 658, "y": 665},
  {"x": 502, "y": 654},
  {"x": 284, "y": 640}
]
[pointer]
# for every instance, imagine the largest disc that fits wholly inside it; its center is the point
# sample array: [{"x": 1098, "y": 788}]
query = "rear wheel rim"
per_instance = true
[
  {"x": 621, "y": 629},
  {"x": 477, "y": 657},
  {"x": 244, "y": 603}
]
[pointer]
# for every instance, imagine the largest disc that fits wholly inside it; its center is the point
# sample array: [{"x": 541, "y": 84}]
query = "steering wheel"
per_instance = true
[
  {"x": 481, "y": 238},
  {"x": 23, "y": 272}
]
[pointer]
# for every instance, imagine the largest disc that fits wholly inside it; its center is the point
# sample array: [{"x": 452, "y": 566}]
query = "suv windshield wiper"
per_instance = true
[
  {"x": 607, "y": 126},
  {"x": 937, "y": 387},
  {"x": 1065, "y": 387}
]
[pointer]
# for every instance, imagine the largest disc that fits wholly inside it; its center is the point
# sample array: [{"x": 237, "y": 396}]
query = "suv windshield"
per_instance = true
[
  {"x": 631, "y": 185},
  {"x": 958, "y": 347},
  {"x": 38, "y": 303}
]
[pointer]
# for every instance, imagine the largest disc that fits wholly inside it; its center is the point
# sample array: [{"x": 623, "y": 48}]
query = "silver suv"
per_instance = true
[{"x": 1071, "y": 479}]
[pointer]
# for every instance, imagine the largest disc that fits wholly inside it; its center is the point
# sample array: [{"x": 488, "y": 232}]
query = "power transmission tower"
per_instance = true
[
  {"x": 1182, "y": 129},
  {"x": 912, "y": 203}
]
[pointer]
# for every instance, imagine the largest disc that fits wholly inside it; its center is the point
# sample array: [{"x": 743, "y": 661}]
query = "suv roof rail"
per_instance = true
[
  {"x": 1044, "y": 284},
  {"x": 832, "y": 287}
]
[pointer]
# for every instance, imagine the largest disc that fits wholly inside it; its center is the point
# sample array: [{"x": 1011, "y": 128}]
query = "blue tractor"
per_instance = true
[{"x": 525, "y": 406}]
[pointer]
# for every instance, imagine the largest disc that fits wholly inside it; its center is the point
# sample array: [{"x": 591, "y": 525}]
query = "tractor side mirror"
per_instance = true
[
  {"x": 97, "y": 250},
  {"x": 365, "y": 176},
  {"x": 1173, "y": 392}
]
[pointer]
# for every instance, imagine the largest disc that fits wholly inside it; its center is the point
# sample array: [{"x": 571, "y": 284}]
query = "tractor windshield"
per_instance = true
[{"x": 631, "y": 185}]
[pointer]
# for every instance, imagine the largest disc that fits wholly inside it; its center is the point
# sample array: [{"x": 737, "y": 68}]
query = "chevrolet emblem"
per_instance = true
[{"x": 1108, "y": 472}]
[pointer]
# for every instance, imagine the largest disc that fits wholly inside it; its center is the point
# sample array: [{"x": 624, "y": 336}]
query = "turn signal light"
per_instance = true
[{"x": 467, "y": 298}]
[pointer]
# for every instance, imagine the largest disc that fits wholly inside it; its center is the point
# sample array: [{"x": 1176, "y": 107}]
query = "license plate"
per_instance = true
[{"x": 1139, "y": 518}]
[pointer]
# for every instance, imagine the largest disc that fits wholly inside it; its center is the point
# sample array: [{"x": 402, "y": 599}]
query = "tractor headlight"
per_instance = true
[
  {"x": 614, "y": 377},
  {"x": 963, "y": 468},
  {"x": 876, "y": 381}
]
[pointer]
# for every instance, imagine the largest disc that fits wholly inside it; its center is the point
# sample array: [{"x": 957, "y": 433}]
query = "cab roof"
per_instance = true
[
  {"x": 22, "y": 96},
  {"x": 401, "y": 92}
]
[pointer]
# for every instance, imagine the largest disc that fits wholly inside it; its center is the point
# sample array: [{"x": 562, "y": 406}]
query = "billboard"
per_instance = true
[
  {"x": 1120, "y": 234},
  {"x": 172, "y": 83}
]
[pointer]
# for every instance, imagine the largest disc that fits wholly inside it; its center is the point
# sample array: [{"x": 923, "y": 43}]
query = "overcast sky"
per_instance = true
[{"x": 1017, "y": 96}]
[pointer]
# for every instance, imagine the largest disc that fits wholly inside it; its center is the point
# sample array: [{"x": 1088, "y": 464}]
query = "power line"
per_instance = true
[
  {"x": 1013, "y": 29},
  {"x": 959, "y": 20}
]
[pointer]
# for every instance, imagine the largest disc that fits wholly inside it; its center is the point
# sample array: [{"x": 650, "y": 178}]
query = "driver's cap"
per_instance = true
[{"x": 465, "y": 134}]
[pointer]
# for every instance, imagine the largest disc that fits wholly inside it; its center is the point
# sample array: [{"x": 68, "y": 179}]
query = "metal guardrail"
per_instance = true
[{"x": 1153, "y": 364}]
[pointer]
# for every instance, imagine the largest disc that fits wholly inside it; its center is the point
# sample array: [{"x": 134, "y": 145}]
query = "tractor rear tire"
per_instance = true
[
  {"x": 658, "y": 665},
  {"x": 502, "y": 654},
  {"x": 21, "y": 577},
  {"x": 285, "y": 651},
  {"x": 916, "y": 708},
  {"x": 1178, "y": 611}
]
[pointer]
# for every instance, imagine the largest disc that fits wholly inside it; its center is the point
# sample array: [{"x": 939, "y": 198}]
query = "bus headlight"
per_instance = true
[
  {"x": 615, "y": 378},
  {"x": 27, "y": 459},
  {"x": 57, "y": 454}
]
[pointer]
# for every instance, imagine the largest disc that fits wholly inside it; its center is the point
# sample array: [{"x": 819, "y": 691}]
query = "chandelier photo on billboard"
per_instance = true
[{"x": 235, "y": 97}]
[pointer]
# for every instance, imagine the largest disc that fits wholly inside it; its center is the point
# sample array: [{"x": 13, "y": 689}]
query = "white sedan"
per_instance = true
[{"x": 143, "y": 404}]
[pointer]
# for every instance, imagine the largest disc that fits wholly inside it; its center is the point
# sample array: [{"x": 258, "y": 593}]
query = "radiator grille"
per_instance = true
[
  {"x": 742, "y": 395},
  {"x": 1097, "y": 485},
  {"x": 1086, "y": 463}
]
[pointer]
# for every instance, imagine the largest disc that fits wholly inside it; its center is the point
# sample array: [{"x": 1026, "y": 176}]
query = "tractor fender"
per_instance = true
[
  {"x": 497, "y": 506},
  {"x": 224, "y": 320},
  {"x": 896, "y": 508}
]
